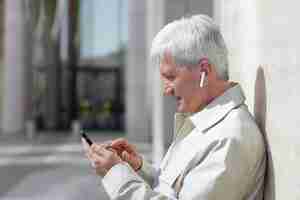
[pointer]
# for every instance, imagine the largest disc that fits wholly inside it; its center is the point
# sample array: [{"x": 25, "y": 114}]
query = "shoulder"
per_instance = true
[
  {"x": 240, "y": 130},
  {"x": 238, "y": 124}
]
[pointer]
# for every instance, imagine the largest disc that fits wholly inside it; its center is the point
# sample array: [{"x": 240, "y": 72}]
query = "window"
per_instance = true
[{"x": 103, "y": 42}]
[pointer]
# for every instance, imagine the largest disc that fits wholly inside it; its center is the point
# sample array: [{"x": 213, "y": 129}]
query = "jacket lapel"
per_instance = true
[{"x": 180, "y": 155}]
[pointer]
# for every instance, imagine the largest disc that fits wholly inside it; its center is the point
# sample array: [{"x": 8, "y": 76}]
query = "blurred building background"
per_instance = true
[{"x": 66, "y": 63}]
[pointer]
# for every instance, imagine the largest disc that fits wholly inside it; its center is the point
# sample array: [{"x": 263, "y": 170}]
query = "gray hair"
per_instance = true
[{"x": 190, "y": 39}]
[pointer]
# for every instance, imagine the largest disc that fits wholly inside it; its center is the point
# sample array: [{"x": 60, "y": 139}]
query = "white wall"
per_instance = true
[
  {"x": 17, "y": 72},
  {"x": 264, "y": 46}
]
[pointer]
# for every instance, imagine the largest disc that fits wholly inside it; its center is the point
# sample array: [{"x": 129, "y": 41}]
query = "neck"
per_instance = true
[
  {"x": 217, "y": 90},
  {"x": 213, "y": 92}
]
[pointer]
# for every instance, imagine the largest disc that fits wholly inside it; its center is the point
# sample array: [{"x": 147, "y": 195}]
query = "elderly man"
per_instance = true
[{"x": 218, "y": 151}]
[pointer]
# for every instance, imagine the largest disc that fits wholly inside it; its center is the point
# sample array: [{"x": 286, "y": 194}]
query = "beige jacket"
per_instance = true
[{"x": 217, "y": 153}]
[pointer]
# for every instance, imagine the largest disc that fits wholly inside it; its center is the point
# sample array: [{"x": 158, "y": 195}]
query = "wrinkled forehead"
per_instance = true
[
  {"x": 167, "y": 59},
  {"x": 167, "y": 66}
]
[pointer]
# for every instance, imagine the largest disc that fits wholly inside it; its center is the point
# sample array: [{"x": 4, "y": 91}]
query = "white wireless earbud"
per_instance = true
[{"x": 202, "y": 79}]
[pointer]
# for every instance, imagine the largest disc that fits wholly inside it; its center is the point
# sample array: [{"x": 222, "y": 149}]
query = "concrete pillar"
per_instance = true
[
  {"x": 135, "y": 74},
  {"x": 155, "y": 21},
  {"x": 1, "y": 53},
  {"x": 17, "y": 67},
  {"x": 263, "y": 43},
  {"x": 53, "y": 89},
  {"x": 56, "y": 49},
  {"x": 196, "y": 7},
  {"x": 1, "y": 29},
  {"x": 46, "y": 56}
]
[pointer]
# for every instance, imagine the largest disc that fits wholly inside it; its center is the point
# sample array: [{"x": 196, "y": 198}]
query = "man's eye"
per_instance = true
[{"x": 170, "y": 78}]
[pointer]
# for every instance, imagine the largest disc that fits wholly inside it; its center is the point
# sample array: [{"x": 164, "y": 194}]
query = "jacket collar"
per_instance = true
[
  {"x": 182, "y": 125},
  {"x": 218, "y": 108}
]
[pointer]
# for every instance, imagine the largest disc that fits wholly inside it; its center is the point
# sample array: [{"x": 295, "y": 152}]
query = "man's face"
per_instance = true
[{"x": 182, "y": 83}]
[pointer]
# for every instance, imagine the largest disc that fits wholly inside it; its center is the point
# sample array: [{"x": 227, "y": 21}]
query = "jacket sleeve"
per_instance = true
[
  {"x": 223, "y": 174},
  {"x": 122, "y": 182},
  {"x": 149, "y": 173}
]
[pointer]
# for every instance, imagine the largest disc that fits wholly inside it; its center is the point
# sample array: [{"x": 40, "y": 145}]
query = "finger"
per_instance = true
[
  {"x": 104, "y": 152},
  {"x": 111, "y": 154},
  {"x": 97, "y": 160},
  {"x": 129, "y": 148},
  {"x": 135, "y": 162},
  {"x": 119, "y": 141},
  {"x": 85, "y": 145},
  {"x": 110, "y": 148},
  {"x": 126, "y": 156},
  {"x": 99, "y": 147},
  {"x": 105, "y": 144},
  {"x": 99, "y": 152},
  {"x": 93, "y": 164},
  {"x": 89, "y": 155},
  {"x": 107, "y": 152},
  {"x": 129, "y": 159},
  {"x": 93, "y": 157},
  {"x": 119, "y": 145},
  {"x": 108, "y": 142},
  {"x": 95, "y": 147},
  {"x": 122, "y": 144}
]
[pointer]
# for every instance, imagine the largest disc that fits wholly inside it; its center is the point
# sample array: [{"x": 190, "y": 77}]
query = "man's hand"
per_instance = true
[
  {"x": 102, "y": 157},
  {"x": 128, "y": 153}
]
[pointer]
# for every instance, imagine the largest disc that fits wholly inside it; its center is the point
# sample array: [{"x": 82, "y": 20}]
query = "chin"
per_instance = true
[
  {"x": 181, "y": 110},
  {"x": 183, "y": 107}
]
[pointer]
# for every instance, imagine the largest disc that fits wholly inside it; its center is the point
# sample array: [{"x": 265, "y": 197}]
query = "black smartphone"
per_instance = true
[{"x": 87, "y": 139}]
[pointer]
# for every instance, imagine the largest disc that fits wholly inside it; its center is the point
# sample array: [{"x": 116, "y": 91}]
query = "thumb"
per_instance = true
[
  {"x": 126, "y": 156},
  {"x": 131, "y": 160},
  {"x": 85, "y": 145}
]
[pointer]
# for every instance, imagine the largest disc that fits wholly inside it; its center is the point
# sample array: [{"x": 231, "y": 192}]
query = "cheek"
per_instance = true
[{"x": 185, "y": 88}]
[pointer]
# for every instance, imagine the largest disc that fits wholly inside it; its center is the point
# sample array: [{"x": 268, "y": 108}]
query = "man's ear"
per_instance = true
[{"x": 205, "y": 66}]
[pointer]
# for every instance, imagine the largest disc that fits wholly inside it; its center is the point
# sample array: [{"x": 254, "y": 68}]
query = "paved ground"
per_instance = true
[{"x": 50, "y": 166}]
